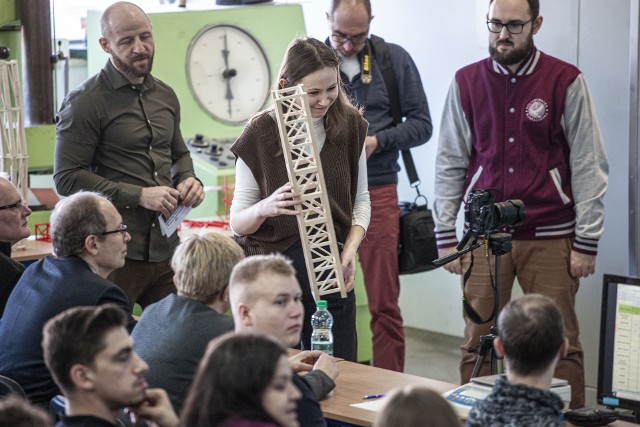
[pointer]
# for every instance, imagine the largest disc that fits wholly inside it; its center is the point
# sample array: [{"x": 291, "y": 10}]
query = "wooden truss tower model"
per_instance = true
[
  {"x": 13, "y": 144},
  {"x": 305, "y": 174}
]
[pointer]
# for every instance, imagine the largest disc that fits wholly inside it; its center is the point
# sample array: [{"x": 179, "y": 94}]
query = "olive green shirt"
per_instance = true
[{"x": 116, "y": 138}]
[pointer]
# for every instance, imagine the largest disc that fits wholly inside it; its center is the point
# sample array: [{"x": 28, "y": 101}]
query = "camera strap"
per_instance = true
[
  {"x": 382, "y": 57},
  {"x": 472, "y": 314}
]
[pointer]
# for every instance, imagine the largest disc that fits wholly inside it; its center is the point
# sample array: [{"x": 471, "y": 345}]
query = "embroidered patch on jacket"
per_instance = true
[{"x": 537, "y": 110}]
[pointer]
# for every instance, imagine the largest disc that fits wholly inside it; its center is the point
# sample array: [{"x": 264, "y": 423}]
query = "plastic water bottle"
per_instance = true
[{"x": 321, "y": 322}]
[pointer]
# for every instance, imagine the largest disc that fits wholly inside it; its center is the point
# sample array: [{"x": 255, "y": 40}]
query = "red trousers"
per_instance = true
[
  {"x": 379, "y": 261},
  {"x": 542, "y": 267}
]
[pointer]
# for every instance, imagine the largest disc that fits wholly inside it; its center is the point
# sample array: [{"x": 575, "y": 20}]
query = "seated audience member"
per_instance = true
[
  {"x": 416, "y": 406},
  {"x": 90, "y": 242},
  {"x": 18, "y": 412},
  {"x": 172, "y": 334},
  {"x": 266, "y": 298},
  {"x": 530, "y": 337},
  {"x": 13, "y": 228},
  {"x": 244, "y": 380},
  {"x": 91, "y": 357}
]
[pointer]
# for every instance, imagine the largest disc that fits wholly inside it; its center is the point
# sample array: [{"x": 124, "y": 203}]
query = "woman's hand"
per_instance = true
[
  {"x": 280, "y": 202},
  {"x": 348, "y": 260}
]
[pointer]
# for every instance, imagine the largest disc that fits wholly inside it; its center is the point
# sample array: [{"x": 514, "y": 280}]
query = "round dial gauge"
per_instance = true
[{"x": 228, "y": 73}]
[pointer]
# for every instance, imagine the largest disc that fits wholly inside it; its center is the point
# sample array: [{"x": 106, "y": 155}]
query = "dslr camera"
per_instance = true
[{"x": 486, "y": 217}]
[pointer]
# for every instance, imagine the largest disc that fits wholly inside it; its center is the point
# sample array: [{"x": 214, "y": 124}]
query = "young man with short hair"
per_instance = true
[
  {"x": 531, "y": 339},
  {"x": 266, "y": 298},
  {"x": 91, "y": 357}
]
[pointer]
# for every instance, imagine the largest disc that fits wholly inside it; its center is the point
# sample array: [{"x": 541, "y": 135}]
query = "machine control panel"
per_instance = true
[{"x": 215, "y": 152}]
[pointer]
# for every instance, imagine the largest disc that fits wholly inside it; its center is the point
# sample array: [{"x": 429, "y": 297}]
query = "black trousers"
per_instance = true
[{"x": 343, "y": 310}]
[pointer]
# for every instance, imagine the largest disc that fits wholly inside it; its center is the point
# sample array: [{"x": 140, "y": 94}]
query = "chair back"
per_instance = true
[{"x": 9, "y": 386}]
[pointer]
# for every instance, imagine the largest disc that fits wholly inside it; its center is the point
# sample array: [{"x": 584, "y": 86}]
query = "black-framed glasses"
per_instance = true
[
  {"x": 122, "y": 229},
  {"x": 17, "y": 205},
  {"x": 338, "y": 37},
  {"x": 512, "y": 27}
]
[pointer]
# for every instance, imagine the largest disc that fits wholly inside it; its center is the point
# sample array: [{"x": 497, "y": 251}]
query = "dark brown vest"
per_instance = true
[{"x": 260, "y": 148}]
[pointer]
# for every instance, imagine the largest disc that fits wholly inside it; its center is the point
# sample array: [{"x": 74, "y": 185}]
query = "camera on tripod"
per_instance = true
[{"x": 485, "y": 217}]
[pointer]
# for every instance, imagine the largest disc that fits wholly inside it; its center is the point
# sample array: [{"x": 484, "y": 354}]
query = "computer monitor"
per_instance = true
[{"x": 619, "y": 363}]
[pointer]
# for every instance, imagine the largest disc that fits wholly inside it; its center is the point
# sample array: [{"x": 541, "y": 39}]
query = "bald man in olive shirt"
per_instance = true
[{"x": 119, "y": 134}]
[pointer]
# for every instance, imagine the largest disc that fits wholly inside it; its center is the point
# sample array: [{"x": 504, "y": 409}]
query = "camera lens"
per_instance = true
[{"x": 510, "y": 212}]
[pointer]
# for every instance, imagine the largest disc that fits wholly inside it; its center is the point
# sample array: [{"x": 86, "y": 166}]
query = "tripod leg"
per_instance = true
[
  {"x": 477, "y": 366},
  {"x": 485, "y": 346}
]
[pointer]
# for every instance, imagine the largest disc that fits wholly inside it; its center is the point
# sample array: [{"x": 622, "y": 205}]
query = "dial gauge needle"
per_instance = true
[{"x": 227, "y": 74}]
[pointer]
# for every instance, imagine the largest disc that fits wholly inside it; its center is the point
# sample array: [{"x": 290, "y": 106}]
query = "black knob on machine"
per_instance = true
[{"x": 199, "y": 141}]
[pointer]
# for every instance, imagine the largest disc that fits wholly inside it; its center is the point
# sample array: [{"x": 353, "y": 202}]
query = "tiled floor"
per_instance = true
[{"x": 432, "y": 355}]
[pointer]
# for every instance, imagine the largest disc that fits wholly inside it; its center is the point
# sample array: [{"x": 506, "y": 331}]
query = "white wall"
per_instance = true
[{"x": 444, "y": 36}]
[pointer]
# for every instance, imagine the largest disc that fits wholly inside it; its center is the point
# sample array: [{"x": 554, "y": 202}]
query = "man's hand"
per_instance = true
[
  {"x": 328, "y": 365},
  {"x": 582, "y": 265},
  {"x": 304, "y": 360},
  {"x": 191, "y": 192},
  {"x": 370, "y": 145},
  {"x": 157, "y": 409},
  {"x": 454, "y": 266},
  {"x": 160, "y": 199}
]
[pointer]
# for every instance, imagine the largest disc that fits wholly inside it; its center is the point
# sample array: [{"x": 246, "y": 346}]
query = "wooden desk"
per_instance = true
[
  {"x": 356, "y": 380},
  {"x": 31, "y": 250}
]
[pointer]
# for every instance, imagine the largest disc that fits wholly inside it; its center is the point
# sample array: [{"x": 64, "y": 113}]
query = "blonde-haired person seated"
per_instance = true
[
  {"x": 416, "y": 406},
  {"x": 172, "y": 334}
]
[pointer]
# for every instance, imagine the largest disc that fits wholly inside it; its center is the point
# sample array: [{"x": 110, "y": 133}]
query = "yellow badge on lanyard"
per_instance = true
[{"x": 365, "y": 76}]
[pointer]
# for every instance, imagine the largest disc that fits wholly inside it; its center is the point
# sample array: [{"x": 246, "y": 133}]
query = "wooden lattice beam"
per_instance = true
[
  {"x": 13, "y": 143},
  {"x": 305, "y": 174}
]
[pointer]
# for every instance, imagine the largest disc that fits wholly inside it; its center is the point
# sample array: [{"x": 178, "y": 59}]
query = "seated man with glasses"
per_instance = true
[
  {"x": 13, "y": 228},
  {"x": 89, "y": 241}
]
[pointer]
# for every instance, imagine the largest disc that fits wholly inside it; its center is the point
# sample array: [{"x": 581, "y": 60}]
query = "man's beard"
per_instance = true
[
  {"x": 515, "y": 56},
  {"x": 129, "y": 70}
]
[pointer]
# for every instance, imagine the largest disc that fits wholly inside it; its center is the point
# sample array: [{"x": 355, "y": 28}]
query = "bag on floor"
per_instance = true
[{"x": 417, "y": 244}]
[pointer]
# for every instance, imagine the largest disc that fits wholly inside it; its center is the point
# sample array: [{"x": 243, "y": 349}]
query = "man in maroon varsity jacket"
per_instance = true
[{"x": 523, "y": 124}]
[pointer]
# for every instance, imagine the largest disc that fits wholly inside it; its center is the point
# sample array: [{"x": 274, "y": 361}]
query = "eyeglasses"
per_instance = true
[
  {"x": 343, "y": 38},
  {"x": 512, "y": 27},
  {"x": 122, "y": 229},
  {"x": 17, "y": 205}
]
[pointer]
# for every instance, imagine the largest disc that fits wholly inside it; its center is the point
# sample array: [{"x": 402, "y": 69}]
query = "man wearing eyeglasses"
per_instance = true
[
  {"x": 13, "y": 228},
  {"x": 523, "y": 124},
  {"x": 89, "y": 241},
  {"x": 360, "y": 71}
]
